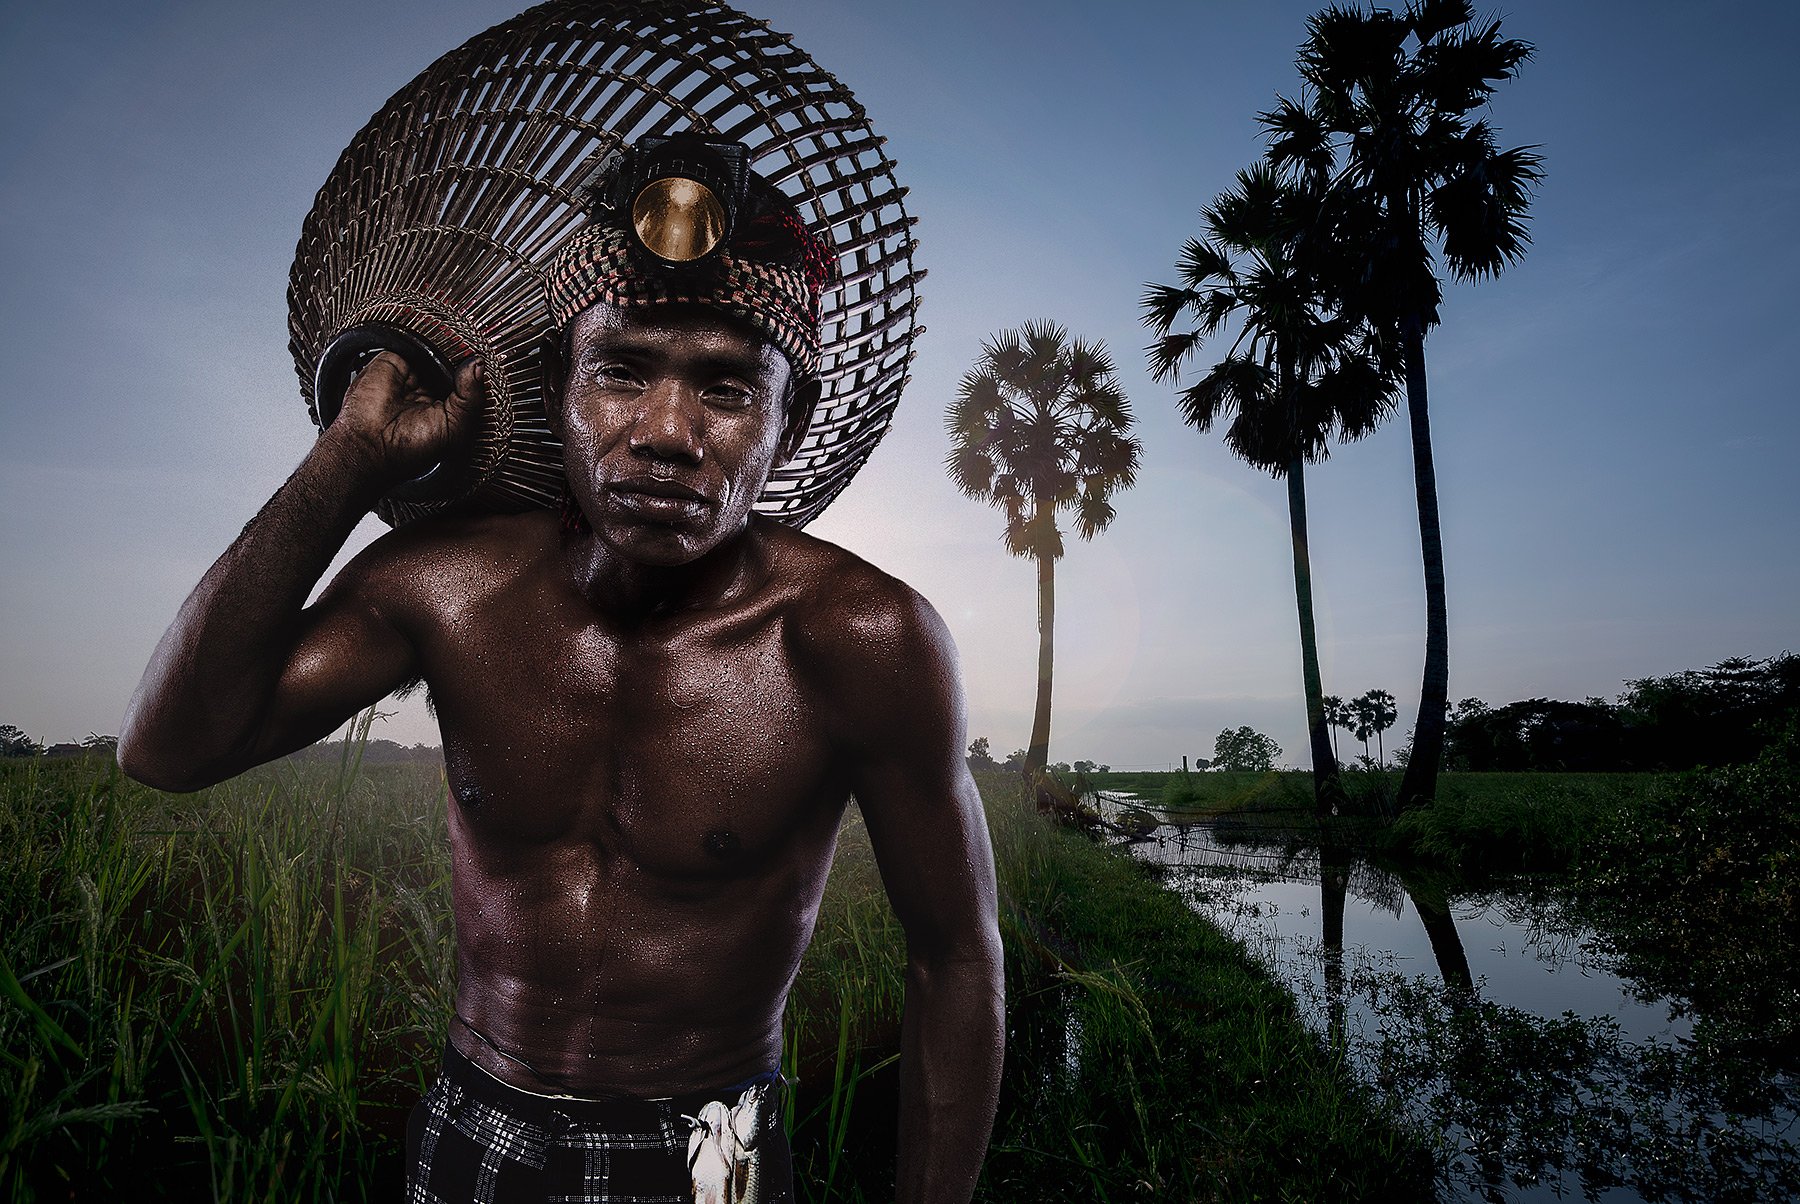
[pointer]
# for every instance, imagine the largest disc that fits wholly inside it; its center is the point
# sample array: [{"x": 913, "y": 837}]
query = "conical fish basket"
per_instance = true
[{"x": 435, "y": 226}]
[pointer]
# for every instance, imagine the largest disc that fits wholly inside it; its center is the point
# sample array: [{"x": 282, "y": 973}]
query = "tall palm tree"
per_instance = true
[
  {"x": 1297, "y": 371},
  {"x": 1040, "y": 426},
  {"x": 1386, "y": 128}
]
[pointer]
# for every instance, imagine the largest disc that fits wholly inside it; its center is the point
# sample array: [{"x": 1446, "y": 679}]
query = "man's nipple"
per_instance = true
[{"x": 723, "y": 843}]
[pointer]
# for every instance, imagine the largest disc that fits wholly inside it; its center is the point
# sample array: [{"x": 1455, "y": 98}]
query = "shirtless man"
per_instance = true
[{"x": 654, "y": 708}]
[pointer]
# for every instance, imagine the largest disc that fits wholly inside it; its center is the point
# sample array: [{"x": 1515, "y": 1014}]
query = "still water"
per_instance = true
[{"x": 1497, "y": 1023}]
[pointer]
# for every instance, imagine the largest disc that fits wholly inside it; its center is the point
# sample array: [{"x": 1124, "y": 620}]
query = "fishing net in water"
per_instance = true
[{"x": 431, "y": 233}]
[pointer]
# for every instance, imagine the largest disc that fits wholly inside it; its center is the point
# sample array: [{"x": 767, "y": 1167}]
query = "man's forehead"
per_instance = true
[{"x": 604, "y": 324}]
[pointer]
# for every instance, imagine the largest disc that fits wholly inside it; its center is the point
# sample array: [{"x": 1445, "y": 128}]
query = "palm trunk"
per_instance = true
[
  {"x": 1419, "y": 785},
  {"x": 1037, "y": 753},
  {"x": 1328, "y": 792}
]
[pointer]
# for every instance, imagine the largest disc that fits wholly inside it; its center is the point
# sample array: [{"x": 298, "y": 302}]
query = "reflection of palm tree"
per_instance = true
[
  {"x": 1297, "y": 371},
  {"x": 1429, "y": 900},
  {"x": 1411, "y": 168},
  {"x": 1334, "y": 885},
  {"x": 1040, "y": 425}
]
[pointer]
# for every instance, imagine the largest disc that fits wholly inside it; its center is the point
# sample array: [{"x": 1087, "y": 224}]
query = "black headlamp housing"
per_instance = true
[{"x": 682, "y": 197}]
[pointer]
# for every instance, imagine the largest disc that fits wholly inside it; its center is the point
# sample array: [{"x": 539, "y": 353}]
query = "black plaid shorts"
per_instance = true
[{"x": 475, "y": 1140}]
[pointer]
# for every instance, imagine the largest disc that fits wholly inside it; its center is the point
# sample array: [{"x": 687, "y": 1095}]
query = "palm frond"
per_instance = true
[
  {"x": 1235, "y": 385},
  {"x": 1162, "y": 304},
  {"x": 1201, "y": 263},
  {"x": 1347, "y": 47},
  {"x": 1093, "y": 515},
  {"x": 1169, "y": 352},
  {"x": 1479, "y": 213},
  {"x": 1457, "y": 72},
  {"x": 1298, "y": 140},
  {"x": 1429, "y": 18},
  {"x": 971, "y": 471}
]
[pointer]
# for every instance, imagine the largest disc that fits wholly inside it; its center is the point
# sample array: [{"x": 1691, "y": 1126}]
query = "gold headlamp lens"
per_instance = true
[{"x": 677, "y": 219}]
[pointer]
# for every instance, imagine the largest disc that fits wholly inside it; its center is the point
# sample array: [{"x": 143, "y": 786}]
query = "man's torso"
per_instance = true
[{"x": 643, "y": 813}]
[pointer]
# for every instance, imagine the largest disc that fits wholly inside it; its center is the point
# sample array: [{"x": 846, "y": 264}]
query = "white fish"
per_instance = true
[{"x": 724, "y": 1150}]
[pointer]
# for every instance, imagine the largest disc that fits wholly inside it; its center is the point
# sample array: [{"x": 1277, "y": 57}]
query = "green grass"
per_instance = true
[
  {"x": 1497, "y": 823},
  {"x": 239, "y": 988},
  {"x": 1480, "y": 825},
  {"x": 239, "y": 994}
]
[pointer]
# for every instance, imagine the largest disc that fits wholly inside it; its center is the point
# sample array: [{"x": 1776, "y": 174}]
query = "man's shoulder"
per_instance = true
[
  {"x": 460, "y": 552},
  {"x": 844, "y": 615}
]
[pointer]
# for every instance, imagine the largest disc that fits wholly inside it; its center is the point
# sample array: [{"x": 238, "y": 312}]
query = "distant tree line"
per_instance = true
[
  {"x": 981, "y": 758},
  {"x": 15, "y": 743},
  {"x": 376, "y": 752},
  {"x": 1722, "y": 715}
]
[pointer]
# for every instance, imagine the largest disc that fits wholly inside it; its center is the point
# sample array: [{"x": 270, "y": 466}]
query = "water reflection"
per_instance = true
[{"x": 1497, "y": 1022}]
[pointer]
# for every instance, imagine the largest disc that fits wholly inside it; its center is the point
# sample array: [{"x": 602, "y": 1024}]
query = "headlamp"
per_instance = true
[{"x": 681, "y": 196}]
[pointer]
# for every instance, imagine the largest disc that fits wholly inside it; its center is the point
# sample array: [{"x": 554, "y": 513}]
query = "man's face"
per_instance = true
[{"x": 671, "y": 420}]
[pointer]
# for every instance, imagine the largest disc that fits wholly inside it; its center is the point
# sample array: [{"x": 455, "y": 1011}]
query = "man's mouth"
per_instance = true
[{"x": 657, "y": 497}]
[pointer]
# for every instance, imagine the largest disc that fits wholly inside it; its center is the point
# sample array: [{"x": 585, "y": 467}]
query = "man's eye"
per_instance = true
[
  {"x": 613, "y": 372},
  {"x": 731, "y": 396}
]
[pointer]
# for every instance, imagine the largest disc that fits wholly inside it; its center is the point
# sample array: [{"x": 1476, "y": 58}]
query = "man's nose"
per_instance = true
[{"x": 668, "y": 426}]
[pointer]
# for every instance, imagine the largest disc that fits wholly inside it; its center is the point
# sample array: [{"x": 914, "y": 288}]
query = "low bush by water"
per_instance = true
[{"x": 1699, "y": 885}]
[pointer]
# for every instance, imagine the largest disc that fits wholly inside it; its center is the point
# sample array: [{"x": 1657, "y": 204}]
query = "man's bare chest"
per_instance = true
[{"x": 687, "y": 749}]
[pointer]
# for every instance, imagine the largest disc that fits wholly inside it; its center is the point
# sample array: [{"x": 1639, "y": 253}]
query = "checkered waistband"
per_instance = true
[{"x": 628, "y": 1113}]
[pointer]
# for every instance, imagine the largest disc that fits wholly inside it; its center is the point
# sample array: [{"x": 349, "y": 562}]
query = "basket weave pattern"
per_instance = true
[{"x": 445, "y": 210}]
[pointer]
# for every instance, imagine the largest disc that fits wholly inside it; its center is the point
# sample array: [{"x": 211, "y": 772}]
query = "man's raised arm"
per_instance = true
[
  {"x": 247, "y": 672},
  {"x": 930, "y": 837}
]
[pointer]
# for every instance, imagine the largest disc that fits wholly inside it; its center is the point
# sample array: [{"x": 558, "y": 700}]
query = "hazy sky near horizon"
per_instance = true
[{"x": 1614, "y": 418}]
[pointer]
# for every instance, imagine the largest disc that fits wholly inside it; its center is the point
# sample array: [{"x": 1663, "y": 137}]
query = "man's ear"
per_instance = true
[
  {"x": 800, "y": 407},
  {"x": 556, "y": 378}
]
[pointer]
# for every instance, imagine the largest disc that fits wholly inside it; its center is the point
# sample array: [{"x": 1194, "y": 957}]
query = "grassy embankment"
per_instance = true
[
  {"x": 1480, "y": 824},
  {"x": 239, "y": 994}
]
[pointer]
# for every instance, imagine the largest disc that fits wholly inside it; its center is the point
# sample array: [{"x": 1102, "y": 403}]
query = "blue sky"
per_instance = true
[{"x": 1614, "y": 417}]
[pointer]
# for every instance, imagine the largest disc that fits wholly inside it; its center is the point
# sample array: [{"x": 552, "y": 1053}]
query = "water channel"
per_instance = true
[{"x": 1494, "y": 1021}]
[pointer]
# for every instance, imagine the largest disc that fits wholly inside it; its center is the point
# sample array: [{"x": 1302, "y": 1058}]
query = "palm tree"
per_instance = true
[
  {"x": 1387, "y": 130},
  {"x": 1337, "y": 714},
  {"x": 1379, "y": 707},
  {"x": 1362, "y": 722},
  {"x": 1297, "y": 371},
  {"x": 1039, "y": 426}
]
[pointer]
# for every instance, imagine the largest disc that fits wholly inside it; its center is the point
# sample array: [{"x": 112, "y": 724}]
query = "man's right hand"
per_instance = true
[{"x": 397, "y": 431}]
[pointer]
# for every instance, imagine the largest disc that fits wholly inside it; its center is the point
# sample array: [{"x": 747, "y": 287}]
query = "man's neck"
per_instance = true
[{"x": 631, "y": 591}]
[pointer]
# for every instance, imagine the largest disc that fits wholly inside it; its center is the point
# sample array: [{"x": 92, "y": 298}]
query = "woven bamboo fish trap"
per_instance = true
[{"x": 431, "y": 233}]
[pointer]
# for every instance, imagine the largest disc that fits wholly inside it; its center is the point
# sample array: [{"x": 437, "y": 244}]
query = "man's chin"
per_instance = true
[{"x": 661, "y": 545}]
